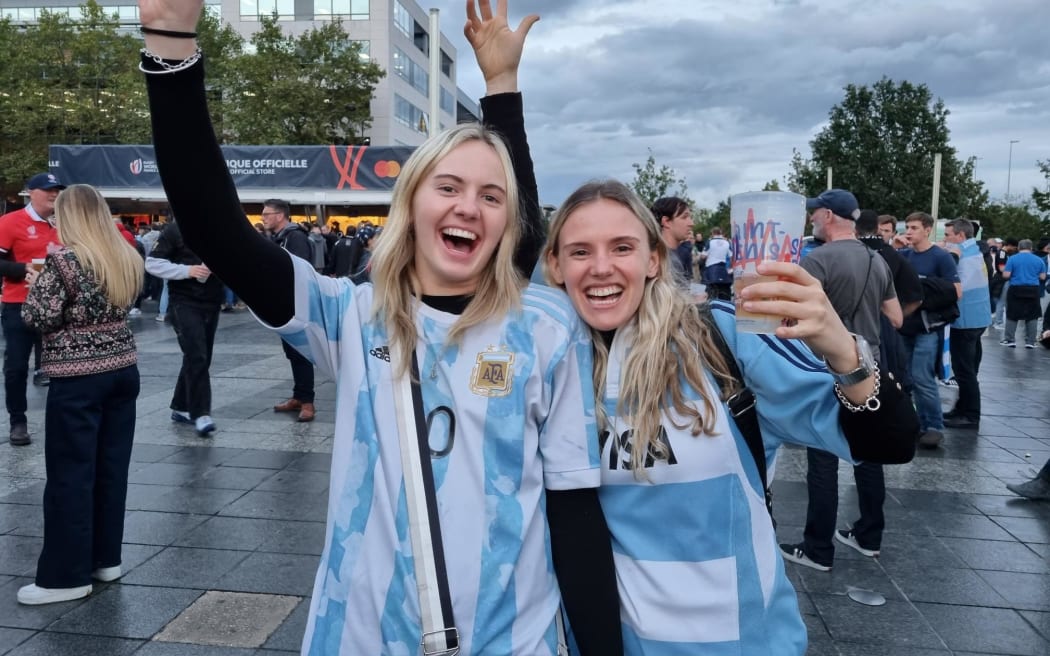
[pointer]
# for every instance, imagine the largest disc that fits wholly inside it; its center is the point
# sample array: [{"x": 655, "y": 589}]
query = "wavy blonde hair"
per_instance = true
[
  {"x": 672, "y": 340},
  {"x": 86, "y": 227},
  {"x": 393, "y": 258}
]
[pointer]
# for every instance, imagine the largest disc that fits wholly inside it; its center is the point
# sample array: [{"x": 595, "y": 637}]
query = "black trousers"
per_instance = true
[
  {"x": 822, "y": 482},
  {"x": 19, "y": 340},
  {"x": 89, "y": 433},
  {"x": 966, "y": 351},
  {"x": 195, "y": 327},
  {"x": 302, "y": 374}
]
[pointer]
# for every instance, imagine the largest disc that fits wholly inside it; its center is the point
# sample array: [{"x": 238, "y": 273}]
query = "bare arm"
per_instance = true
[{"x": 891, "y": 307}]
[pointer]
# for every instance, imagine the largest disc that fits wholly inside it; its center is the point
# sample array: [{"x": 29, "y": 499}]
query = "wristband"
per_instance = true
[{"x": 170, "y": 33}]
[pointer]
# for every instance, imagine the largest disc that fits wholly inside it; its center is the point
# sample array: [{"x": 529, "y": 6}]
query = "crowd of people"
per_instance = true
[{"x": 606, "y": 440}]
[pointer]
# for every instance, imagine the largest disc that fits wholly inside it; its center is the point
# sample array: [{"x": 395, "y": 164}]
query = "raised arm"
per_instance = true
[
  {"x": 498, "y": 51},
  {"x": 193, "y": 170}
]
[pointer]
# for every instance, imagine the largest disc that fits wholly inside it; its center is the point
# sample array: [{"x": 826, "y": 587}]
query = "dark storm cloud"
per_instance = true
[{"x": 724, "y": 94}]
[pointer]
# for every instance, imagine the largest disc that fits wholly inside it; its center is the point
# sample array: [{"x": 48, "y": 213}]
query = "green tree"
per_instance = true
[
  {"x": 79, "y": 85},
  {"x": 772, "y": 185},
  {"x": 880, "y": 142},
  {"x": 1041, "y": 199},
  {"x": 1007, "y": 220},
  {"x": 312, "y": 89},
  {"x": 223, "y": 45},
  {"x": 652, "y": 183}
]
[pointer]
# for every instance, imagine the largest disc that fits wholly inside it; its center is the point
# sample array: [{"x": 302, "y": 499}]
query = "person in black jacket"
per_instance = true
[
  {"x": 195, "y": 299},
  {"x": 292, "y": 237}
]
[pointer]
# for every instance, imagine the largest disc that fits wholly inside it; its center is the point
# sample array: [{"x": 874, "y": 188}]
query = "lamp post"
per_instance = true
[{"x": 1009, "y": 167}]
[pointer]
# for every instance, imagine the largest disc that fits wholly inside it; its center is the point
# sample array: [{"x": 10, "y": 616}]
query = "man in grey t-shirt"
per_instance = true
[{"x": 860, "y": 286}]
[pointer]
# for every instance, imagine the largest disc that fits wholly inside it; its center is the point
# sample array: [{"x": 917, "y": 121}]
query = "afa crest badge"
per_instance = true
[{"x": 493, "y": 374}]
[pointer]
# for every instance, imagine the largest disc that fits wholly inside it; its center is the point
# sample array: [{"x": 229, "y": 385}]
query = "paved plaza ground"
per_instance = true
[{"x": 223, "y": 534}]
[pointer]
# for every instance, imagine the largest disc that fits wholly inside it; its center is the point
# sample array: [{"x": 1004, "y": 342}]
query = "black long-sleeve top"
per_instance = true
[{"x": 204, "y": 200}]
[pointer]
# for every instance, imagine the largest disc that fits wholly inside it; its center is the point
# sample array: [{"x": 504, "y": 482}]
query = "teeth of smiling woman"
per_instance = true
[
  {"x": 459, "y": 232},
  {"x": 605, "y": 291}
]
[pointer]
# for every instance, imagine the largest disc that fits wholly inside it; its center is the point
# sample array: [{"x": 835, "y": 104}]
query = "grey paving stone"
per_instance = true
[
  {"x": 296, "y": 482},
  {"x": 182, "y": 649},
  {"x": 152, "y": 452},
  {"x": 133, "y": 555},
  {"x": 936, "y": 501},
  {"x": 296, "y": 538},
  {"x": 854, "y": 649},
  {"x": 233, "y": 478},
  {"x": 999, "y": 556},
  {"x": 237, "y": 533},
  {"x": 145, "y": 527},
  {"x": 1009, "y": 505},
  {"x": 32, "y": 495},
  {"x": 19, "y": 519},
  {"x": 202, "y": 455},
  {"x": 845, "y": 574},
  {"x": 185, "y": 568},
  {"x": 164, "y": 473},
  {"x": 957, "y": 525},
  {"x": 284, "y": 574},
  {"x": 15, "y": 615},
  {"x": 128, "y": 611},
  {"x": 289, "y": 636},
  {"x": 1021, "y": 590},
  {"x": 896, "y": 624},
  {"x": 263, "y": 459},
  {"x": 65, "y": 644},
  {"x": 11, "y": 638},
  {"x": 984, "y": 630},
  {"x": 821, "y": 645},
  {"x": 909, "y": 549},
  {"x": 143, "y": 497},
  {"x": 204, "y": 501},
  {"x": 1041, "y": 622},
  {"x": 278, "y": 505},
  {"x": 319, "y": 462},
  {"x": 947, "y": 585},
  {"x": 1026, "y": 529},
  {"x": 229, "y": 619},
  {"x": 19, "y": 554}
]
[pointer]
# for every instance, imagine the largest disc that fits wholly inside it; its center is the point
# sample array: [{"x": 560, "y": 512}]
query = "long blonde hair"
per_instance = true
[
  {"x": 672, "y": 340},
  {"x": 86, "y": 227},
  {"x": 393, "y": 258}
]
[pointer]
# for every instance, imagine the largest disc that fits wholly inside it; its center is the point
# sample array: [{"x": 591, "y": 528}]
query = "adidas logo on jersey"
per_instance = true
[{"x": 383, "y": 353}]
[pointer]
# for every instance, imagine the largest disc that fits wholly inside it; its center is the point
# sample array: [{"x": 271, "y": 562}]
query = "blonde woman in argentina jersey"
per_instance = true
[
  {"x": 504, "y": 368},
  {"x": 696, "y": 558}
]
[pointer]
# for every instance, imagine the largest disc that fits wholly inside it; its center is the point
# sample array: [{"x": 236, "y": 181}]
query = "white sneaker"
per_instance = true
[
  {"x": 846, "y": 537},
  {"x": 134, "y": 312},
  {"x": 107, "y": 574},
  {"x": 34, "y": 595},
  {"x": 205, "y": 425},
  {"x": 160, "y": 318}
]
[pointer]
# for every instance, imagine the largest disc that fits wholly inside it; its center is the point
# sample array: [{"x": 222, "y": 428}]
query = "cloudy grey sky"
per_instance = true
[{"x": 722, "y": 90}]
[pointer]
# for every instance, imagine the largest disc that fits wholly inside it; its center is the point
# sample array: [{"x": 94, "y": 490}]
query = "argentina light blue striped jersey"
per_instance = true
[
  {"x": 697, "y": 562},
  {"x": 510, "y": 411}
]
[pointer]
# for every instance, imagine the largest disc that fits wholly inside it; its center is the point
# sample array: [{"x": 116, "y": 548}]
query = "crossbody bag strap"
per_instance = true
[
  {"x": 440, "y": 636},
  {"x": 741, "y": 405}
]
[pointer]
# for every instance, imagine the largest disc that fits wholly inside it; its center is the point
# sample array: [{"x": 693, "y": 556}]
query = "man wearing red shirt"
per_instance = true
[{"x": 25, "y": 235}]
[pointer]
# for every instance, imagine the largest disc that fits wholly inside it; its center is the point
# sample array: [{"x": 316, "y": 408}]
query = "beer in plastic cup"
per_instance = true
[
  {"x": 765, "y": 225},
  {"x": 37, "y": 264}
]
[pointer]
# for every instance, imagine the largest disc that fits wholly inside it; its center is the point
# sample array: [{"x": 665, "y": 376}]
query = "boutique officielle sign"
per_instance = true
[{"x": 364, "y": 168}]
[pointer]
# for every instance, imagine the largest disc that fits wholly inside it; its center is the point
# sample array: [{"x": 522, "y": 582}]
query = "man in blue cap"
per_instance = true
[
  {"x": 25, "y": 235},
  {"x": 859, "y": 286}
]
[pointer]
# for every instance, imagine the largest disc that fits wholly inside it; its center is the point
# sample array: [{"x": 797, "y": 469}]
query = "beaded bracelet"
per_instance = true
[{"x": 171, "y": 33}]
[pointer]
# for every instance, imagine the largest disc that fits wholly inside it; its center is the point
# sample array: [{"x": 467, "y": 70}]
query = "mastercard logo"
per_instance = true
[{"x": 388, "y": 168}]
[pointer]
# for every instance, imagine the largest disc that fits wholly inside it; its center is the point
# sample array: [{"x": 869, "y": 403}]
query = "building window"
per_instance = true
[
  {"x": 411, "y": 72},
  {"x": 448, "y": 103},
  {"x": 352, "y": 9},
  {"x": 446, "y": 65},
  {"x": 403, "y": 20},
  {"x": 255, "y": 9},
  {"x": 409, "y": 115}
]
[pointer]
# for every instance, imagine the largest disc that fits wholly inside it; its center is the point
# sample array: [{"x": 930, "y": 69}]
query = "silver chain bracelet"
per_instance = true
[
  {"x": 165, "y": 67},
  {"x": 872, "y": 403}
]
